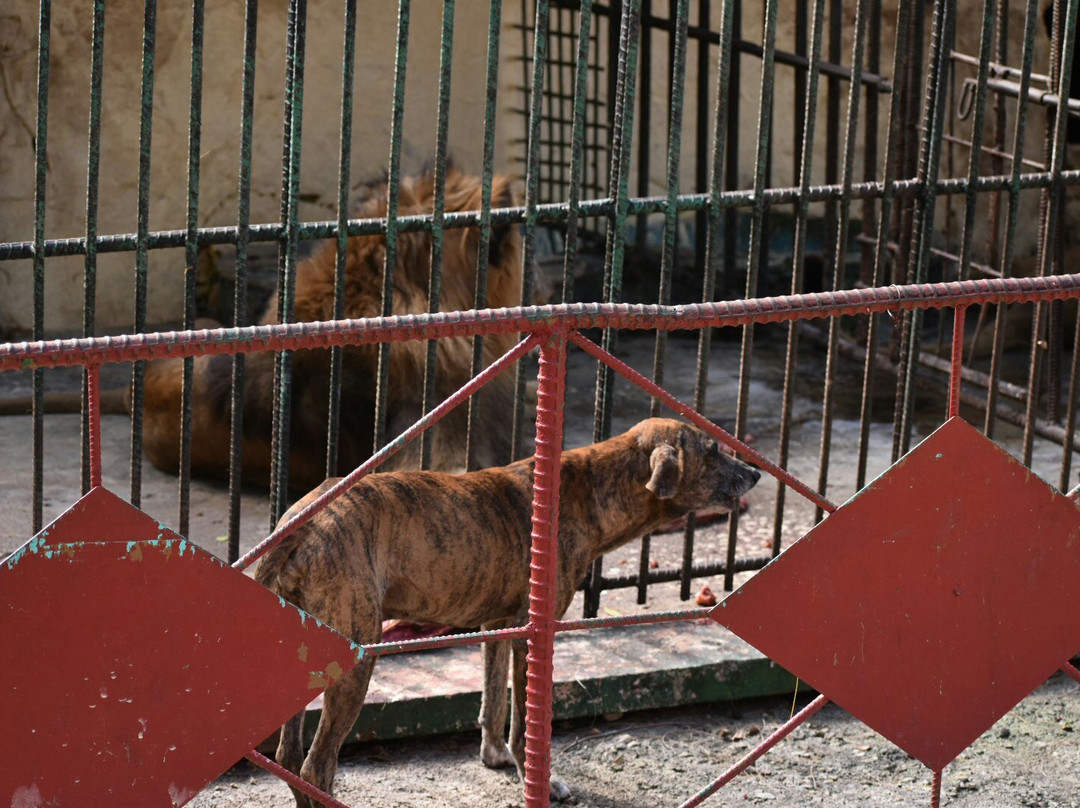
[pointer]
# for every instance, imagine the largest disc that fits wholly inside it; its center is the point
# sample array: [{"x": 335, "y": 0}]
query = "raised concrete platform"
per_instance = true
[{"x": 598, "y": 672}]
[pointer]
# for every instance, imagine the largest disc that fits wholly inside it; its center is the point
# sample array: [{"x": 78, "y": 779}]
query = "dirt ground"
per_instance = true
[{"x": 1029, "y": 759}]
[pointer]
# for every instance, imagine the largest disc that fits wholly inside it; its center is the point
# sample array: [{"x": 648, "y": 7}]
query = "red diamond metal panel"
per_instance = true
[
  {"x": 930, "y": 603},
  {"x": 133, "y": 672}
]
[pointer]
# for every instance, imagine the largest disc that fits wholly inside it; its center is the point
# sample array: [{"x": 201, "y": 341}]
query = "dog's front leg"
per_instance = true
[
  {"x": 559, "y": 790},
  {"x": 493, "y": 749}
]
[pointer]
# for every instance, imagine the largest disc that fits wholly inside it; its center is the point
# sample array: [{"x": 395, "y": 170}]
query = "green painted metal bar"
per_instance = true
[
  {"x": 802, "y": 212},
  {"x": 393, "y": 185},
  {"x": 577, "y": 149},
  {"x": 729, "y": 200},
  {"x": 941, "y": 39},
  {"x": 243, "y": 219},
  {"x": 41, "y": 138},
  {"x": 670, "y": 244},
  {"x": 532, "y": 192},
  {"x": 986, "y": 44},
  {"x": 618, "y": 189},
  {"x": 841, "y": 248},
  {"x": 1055, "y": 224},
  {"x": 621, "y": 150},
  {"x": 290, "y": 193},
  {"x": 644, "y": 133},
  {"x": 348, "y": 67},
  {"x": 757, "y": 222},
  {"x": 191, "y": 258},
  {"x": 1012, "y": 214},
  {"x": 93, "y": 175},
  {"x": 891, "y": 168},
  {"x": 142, "y": 237},
  {"x": 720, "y": 236},
  {"x": 438, "y": 216},
  {"x": 483, "y": 250}
]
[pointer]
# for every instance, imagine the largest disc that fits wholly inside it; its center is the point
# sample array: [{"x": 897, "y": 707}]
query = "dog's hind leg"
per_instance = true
[
  {"x": 356, "y": 614},
  {"x": 290, "y": 751},
  {"x": 559, "y": 790},
  {"x": 493, "y": 749},
  {"x": 341, "y": 706}
]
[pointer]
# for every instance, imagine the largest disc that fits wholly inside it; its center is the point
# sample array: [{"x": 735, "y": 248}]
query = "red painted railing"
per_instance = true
[{"x": 551, "y": 329}]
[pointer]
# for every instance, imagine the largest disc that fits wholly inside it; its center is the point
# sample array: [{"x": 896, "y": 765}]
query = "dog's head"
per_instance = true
[{"x": 687, "y": 467}]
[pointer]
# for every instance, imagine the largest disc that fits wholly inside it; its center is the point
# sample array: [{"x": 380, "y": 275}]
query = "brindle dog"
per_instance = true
[{"x": 454, "y": 549}]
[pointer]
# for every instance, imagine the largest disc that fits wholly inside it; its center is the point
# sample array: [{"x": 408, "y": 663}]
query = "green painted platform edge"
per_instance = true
[{"x": 726, "y": 680}]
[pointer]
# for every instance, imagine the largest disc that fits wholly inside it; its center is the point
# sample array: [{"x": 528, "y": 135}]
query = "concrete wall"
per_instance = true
[{"x": 68, "y": 122}]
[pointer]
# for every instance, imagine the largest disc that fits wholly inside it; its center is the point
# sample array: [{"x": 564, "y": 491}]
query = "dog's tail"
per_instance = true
[
  {"x": 112, "y": 402},
  {"x": 272, "y": 571}
]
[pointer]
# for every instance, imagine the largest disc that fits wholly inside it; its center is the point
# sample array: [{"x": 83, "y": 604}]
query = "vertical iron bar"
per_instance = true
[
  {"x": 957, "y": 361},
  {"x": 143, "y": 229},
  {"x": 543, "y": 569},
  {"x": 532, "y": 194},
  {"x": 40, "y": 175},
  {"x": 1005, "y": 265},
  {"x": 1053, "y": 224},
  {"x": 442, "y": 122},
  {"x": 731, "y": 182},
  {"x": 1070, "y": 414},
  {"x": 243, "y": 219},
  {"x": 573, "y": 199},
  {"x": 725, "y": 142},
  {"x": 621, "y": 149},
  {"x": 483, "y": 251},
  {"x": 644, "y": 145},
  {"x": 935, "y": 789},
  {"x": 907, "y": 145},
  {"x": 757, "y": 223},
  {"x": 977, "y": 125},
  {"x": 622, "y": 134},
  {"x": 841, "y": 250},
  {"x": 941, "y": 39},
  {"x": 802, "y": 211},
  {"x": 393, "y": 184},
  {"x": 191, "y": 259},
  {"x": 893, "y": 164},
  {"x": 290, "y": 193},
  {"x": 997, "y": 162},
  {"x": 348, "y": 63},
  {"x": 93, "y": 163},
  {"x": 701, "y": 136},
  {"x": 93, "y": 422},
  {"x": 670, "y": 246},
  {"x": 870, "y": 142}
]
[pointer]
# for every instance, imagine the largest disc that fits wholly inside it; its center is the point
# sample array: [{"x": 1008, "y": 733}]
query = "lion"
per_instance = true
[{"x": 314, "y": 298}]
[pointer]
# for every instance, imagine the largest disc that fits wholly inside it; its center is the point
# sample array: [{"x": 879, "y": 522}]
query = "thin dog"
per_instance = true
[{"x": 454, "y": 549}]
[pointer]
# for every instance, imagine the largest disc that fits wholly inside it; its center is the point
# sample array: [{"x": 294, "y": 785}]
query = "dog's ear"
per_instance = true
[{"x": 664, "y": 462}]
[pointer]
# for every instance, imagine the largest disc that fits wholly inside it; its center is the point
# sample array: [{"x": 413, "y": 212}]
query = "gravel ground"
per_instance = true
[{"x": 1030, "y": 758}]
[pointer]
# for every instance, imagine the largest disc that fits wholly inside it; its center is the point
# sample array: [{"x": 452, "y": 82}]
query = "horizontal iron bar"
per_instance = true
[
  {"x": 726, "y": 313},
  {"x": 552, "y": 212},
  {"x": 465, "y": 638},
  {"x": 664, "y": 576}
]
